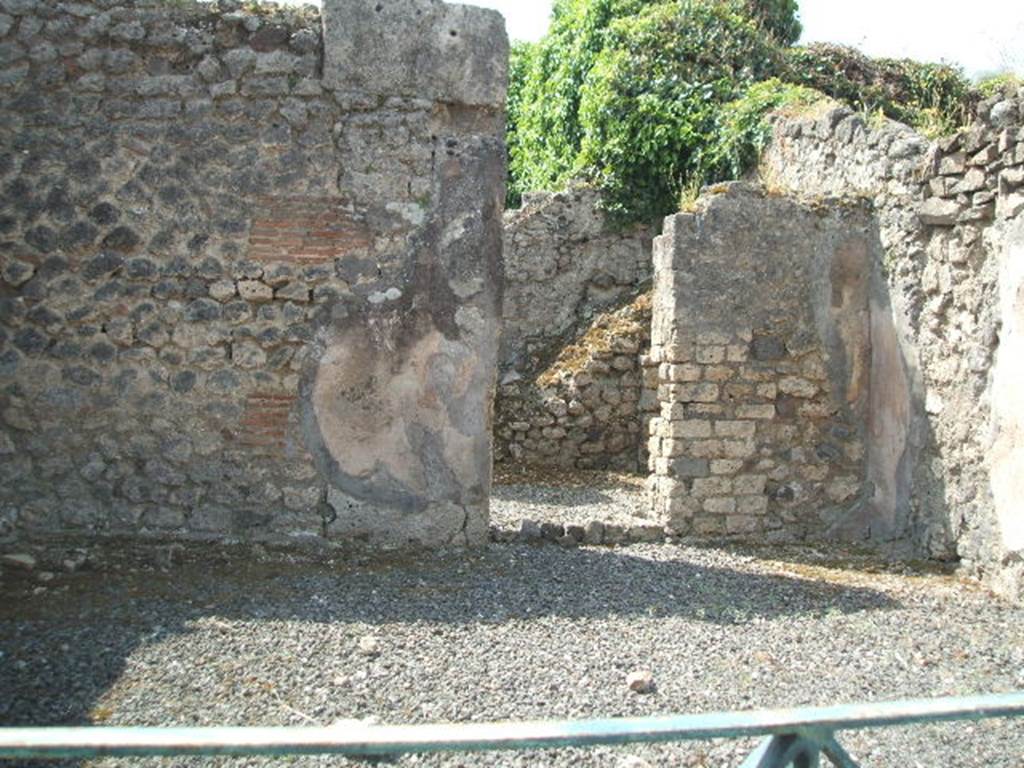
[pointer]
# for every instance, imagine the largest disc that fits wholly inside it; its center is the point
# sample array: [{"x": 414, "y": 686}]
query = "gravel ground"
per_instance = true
[
  {"x": 569, "y": 499},
  {"x": 514, "y": 632}
]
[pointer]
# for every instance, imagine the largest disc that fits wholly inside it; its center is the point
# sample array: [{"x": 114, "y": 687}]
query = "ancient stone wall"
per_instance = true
[
  {"x": 586, "y": 410},
  {"x": 569, "y": 393},
  {"x": 251, "y": 273},
  {"x": 564, "y": 265},
  {"x": 761, "y": 330},
  {"x": 949, "y": 215}
]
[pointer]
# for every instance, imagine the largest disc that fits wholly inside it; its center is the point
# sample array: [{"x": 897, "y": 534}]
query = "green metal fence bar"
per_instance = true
[{"x": 796, "y": 736}]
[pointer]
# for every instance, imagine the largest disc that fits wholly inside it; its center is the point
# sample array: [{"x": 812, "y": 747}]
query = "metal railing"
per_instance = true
[{"x": 792, "y": 737}]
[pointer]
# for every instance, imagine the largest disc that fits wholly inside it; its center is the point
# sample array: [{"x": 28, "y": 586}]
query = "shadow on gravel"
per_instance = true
[{"x": 62, "y": 650}]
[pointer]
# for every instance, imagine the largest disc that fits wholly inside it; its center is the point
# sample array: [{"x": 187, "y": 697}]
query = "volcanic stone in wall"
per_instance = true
[
  {"x": 247, "y": 292},
  {"x": 586, "y": 410},
  {"x": 564, "y": 264}
]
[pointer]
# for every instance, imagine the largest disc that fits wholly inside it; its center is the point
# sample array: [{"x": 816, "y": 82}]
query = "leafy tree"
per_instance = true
[
  {"x": 545, "y": 118},
  {"x": 613, "y": 72},
  {"x": 650, "y": 98},
  {"x": 520, "y": 61},
  {"x": 649, "y": 111}
]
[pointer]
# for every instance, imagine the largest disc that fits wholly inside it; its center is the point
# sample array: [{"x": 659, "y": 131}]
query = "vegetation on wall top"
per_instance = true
[
  {"x": 650, "y": 98},
  {"x": 935, "y": 98}
]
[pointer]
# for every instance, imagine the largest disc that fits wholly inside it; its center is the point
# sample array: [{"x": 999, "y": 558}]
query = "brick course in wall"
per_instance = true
[{"x": 306, "y": 230}]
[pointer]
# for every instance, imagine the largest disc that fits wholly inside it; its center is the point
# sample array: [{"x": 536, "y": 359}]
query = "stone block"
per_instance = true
[
  {"x": 416, "y": 48},
  {"x": 710, "y": 355},
  {"x": 736, "y": 449},
  {"x": 713, "y": 338},
  {"x": 680, "y": 373},
  {"x": 953, "y": 164},
  {"x": 693, "y": 393},
  {"x": 689, "y": 428},
  {"x": 720, "y": 506},
  {"x": 972, "y": 181},
  {"x": 749, "y": 484},
  {"x": 706, "y": 449},
  {"x": 797, "y": 387},
  {"x": 741, "y": 429},
  {"x": 646, "y": 533},
  {"x": 593, "y": 533},
  {"x": 718, "y": 373},
  {"x": 704, "y": 525},
  {"x": 712, "y": 486},
  {"x": 939, "y": 213},
  {"x": 1011, "y": 178},
  {"x": 985, "y": 156},
  {"x": 737, "y": 353},
  {"x": 678, "y": 352},
  {"x": 752, "y": 505},
  {"x": 726, "y": 466},
  {"x": 765, "y": 411},
  {"x": 615, "y": 534},
  {"x": 688, "y": 467},
  {"x": 740, "y": 524},
  {"x": 255, "y": 291}
]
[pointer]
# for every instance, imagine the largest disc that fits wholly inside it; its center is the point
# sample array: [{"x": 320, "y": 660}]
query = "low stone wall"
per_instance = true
[
  {"x": 762, "y": 331},
  {"x": 586, "y": 410},
  {"x": 251, "y": 273},
  {"x": 570, "y": 375},
  {"x": 949, "y": 216}
]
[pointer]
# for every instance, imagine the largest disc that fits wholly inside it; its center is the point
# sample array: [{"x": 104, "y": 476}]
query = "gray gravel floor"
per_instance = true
[
  {"x": 609, "y": 499},
  {"x": 514, "y": 632}
]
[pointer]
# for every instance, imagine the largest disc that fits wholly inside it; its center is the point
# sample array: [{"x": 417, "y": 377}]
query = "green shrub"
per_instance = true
[
  {"x": 587, "y": 99},
  {"x": 649, "y": 109},
  {"x": 1002, "y": 84},
  {"x": 519, "y": 62},
  {"x": 935, "y": 98},
  {"x": 743, "y": 129},
  {"x": 546, "y": 120},
  {"x": 648, "y": 98}
]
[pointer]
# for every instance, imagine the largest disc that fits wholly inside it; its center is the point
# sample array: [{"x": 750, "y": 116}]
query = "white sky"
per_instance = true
[{"x": 982, "y": 36}]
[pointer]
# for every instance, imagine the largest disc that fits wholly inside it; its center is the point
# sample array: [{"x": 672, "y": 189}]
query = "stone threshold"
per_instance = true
[{"x": 593, "y": 533}]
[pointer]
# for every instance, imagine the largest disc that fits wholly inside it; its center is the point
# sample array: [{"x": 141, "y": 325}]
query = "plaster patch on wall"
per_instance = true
[{"x": 1007, "y": 454}]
